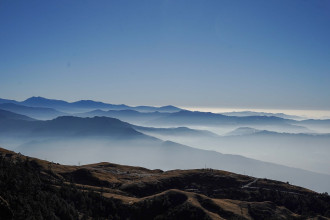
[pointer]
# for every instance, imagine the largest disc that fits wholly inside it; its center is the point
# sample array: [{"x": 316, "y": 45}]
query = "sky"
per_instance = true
[{"x": 210, "y": 54}]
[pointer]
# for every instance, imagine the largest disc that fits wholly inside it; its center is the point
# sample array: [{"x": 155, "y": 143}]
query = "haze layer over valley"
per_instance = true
[{"x": 83, "y": 132}]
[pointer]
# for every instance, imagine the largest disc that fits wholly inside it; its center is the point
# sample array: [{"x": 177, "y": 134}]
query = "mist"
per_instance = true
[
  {"x": 156, "y": 154},
  {"x": 261, "y": 146},
  {"x": 310, "y": 152}
]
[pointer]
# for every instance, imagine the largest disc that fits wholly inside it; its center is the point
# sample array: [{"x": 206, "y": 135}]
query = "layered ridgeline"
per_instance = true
[
  {"x": 37, "y": 189},
  {"x": 7, "y": 115},
  {"x": 43, "y": 108},
  {"x": 163, "y": 137},
  {"x": 252, "y": 113},
  {"x": 218, "y": 122},
  {"x": 34, "y": 112},
  {"x": 74, "y": 140},
  {"x": 304, "y": 150}
]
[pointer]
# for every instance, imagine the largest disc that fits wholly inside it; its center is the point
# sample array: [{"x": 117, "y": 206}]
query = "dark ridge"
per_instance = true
[{"x": 36, "y": 189}]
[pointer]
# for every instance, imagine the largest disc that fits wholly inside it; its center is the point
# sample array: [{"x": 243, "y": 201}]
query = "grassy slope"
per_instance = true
[{"x": 106, "y": 190}]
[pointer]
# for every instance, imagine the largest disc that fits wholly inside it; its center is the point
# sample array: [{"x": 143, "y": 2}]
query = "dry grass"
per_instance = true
[{"x": 120, "y": 176}]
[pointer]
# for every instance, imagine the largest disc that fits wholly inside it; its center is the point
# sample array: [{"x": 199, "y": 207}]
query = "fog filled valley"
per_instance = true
[{"x": 85, "y": 132}]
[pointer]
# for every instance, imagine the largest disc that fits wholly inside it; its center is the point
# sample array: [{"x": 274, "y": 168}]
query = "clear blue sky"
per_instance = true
[{"x": 248, "y": 54}]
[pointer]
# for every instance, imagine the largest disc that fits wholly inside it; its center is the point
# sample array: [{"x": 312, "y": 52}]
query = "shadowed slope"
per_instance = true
[
  {"x": 34, "y": 112},
  {"x": 7, "y": 115}
]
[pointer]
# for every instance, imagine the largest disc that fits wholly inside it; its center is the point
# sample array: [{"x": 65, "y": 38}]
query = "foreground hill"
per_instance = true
[{"x": 36, "y": 189}]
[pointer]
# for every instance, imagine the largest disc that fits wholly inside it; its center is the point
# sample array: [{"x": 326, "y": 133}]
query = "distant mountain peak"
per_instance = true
[
  {"x": 38, "y": 98},
  {"x": 42, "y": 100},
  {"x": 171, "y": 107},
  {"x": 243, "y": 131}
]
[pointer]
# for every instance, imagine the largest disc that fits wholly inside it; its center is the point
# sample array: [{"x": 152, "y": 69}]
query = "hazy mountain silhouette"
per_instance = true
[
  {"x": 168, "y": 108},
  {"x": 184, "y": 117},
  {"x": 315, "y": 121},
  {"x": 206, "y": 118},
  {"x": 7, "y": 115},
  {"x": 7, "y": 101},
  {"x": 71, "y": 139},
  {"x": 179, "y": 131},
  {"x": 34, "y": 112},
  {"x": 131, "y": 116},
  {"x": 69, "y": 126},
  {"x": 316, "y": 124},
  {"x": 97, "y": 126},
  {"x": 201, "y": 120},
  {"x": 159, "y": 116},
  {"x": 46, "y": 103},
  {"x": 252, "y": 131},
  {"x": 85, "y": 105},
  {"x": 304, "y": 150},
  {"x": 189, "y": 118},
  {"x": 252, "y": 113},
  {"x": 243, "y": 131}
]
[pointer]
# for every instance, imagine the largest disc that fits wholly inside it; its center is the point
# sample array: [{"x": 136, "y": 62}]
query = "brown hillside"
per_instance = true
[{"x": 205, "y": 193}]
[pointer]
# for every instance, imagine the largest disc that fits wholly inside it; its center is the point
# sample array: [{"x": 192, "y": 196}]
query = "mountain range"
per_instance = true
[
  {"x": 34, "y": 112},
  {"x": 43, "y": 109},
  {"x": 71, "y": 139},
  {"x": 7, "y": 115},
  {"x": 252, "y": 113},
  {"x": 168, "y": 138},
  {"x": 84, "y": 105},
  {"x": 305, "y": 150}
]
